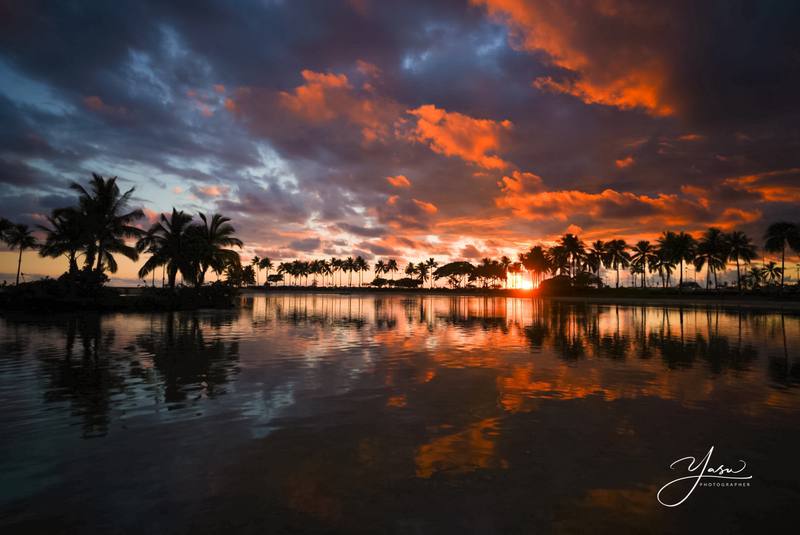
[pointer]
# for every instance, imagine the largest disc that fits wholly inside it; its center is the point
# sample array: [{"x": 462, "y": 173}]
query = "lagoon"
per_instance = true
[{"x": 304, "y": 412}]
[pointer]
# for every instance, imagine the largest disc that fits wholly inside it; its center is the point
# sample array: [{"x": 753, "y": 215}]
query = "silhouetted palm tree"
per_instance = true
[
  {"x": 677, "y": 248},
  {"x": 391, "y": 267},
  {"x": 360, "y": 265},
  {"x": 170, "y": 244},
  {"x": 380, "y": 268},
  {"x": 779, "y": 236},
  {"x": 772, "y": 272},
  {"x": 108, "y": 222},
  {"x": 617, "y": 256},
  {"x": 711, "y": 252},
  {"x": 348, "y": 266},
  {"x": 19, "y": 237},
  {"x": 256, "y": 261},
  {"x": 740, "y": 248},
  {"x": 215, "y": 235},
  {"x": 537, "y": 264},
  {"x": 644, "y": 258},
  {"x": 575, "y": 250},
  {"x": 594, "y": 257},
  {"x": 64, "y": 236},
  {"x": 431, "y": 265},
  {"x": 265, "y": 264}
]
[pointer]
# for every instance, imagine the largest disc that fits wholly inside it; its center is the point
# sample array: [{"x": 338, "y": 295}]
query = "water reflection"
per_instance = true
[{"x": 401, "y": 413}]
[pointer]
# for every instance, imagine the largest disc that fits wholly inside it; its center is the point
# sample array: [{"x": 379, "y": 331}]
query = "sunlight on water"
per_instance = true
[{"x": 334, "y": 411}]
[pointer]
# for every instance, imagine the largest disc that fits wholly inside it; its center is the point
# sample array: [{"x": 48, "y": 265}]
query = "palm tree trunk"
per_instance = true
[
  {"x": 99, "y": 267},
  {"x": 680, "y": 283},
  {"x": 617, "y": 276},
  {"x": 19, "y": 265},
  {"x": 783, "y": 258},
  {"x": 738, "y": 275}
]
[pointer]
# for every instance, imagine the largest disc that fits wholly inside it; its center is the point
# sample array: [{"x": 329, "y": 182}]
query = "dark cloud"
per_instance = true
[{"x": 289, "y": 116}]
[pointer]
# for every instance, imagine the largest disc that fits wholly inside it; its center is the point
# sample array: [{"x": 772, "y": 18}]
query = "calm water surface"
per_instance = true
[{"x": 396, "y": 414}]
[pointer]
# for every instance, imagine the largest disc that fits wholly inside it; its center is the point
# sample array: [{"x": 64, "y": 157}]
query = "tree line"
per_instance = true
[{"x": 570, "y": 257}]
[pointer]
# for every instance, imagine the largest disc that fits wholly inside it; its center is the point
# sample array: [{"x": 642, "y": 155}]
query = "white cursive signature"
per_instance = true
[{"x": 700, "y": 470}]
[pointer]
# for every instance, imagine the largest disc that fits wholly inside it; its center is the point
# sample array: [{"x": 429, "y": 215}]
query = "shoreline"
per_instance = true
[{"x": 607, "y": 296}]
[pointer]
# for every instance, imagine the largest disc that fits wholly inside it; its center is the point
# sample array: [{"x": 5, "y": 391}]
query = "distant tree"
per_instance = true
[
  {"x": 21, "y": 238},
  {"x": 430, "y": 265},
  {"x": 740, "y": 249},
  {"x": 711, "y": 252},
  {"x": 644, "y": 258},
  {"x": 391, "y": 267},
  {"x": 575, "y": 251},
  {"x": 594, "y": 257},
  {"x": 778, "y": 237},
  {"x": 677, "y": 248},
  {"x": 265, "y": 264},
  {"x": 617, "y": 256},
  {"x": 256, "y": 261}
]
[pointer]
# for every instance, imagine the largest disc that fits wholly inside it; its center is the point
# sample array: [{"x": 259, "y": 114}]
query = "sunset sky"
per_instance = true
[{"x": 451, "y": 128}]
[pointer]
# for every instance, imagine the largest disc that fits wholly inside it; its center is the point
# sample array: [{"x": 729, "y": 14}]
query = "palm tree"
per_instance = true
[
  {"x": 64, "y": 236},
  {"x": 422, "y": 272},
  {"x": 711, "y": 252},
  {"x": 336, "y": 265},
  {"x": 391, "y": 267},
  {"x": 411, "y": 270},
  {"x": 740, "y": 248},
  {"x": 213, "y": 237},
  {"x": 644, "y": 258},
  {"x": 170, "y": 244},
  {"x": 361, "y": 265},
  {"x": 665, "y": 267},
  {"x": 19, "y": 237},
  {"x": 256, "y": 261},
  {"x": 594, "y": 257},
  {"x": 574, "y": 249},
  {"x": 772, "y": 272},
  {"x": 380, "y": 268},
  {"x": 617, "y": 256},
  {"x": 558, "y": 259},
  {"x": 265, "y": 264},
  {"x": 537, "y": 264},
  {"x": 677, "y": 248},
  {"x": 431, "y": 265},
  {"x": 108, "y": 221},
  {"x": 755, "y": 276},
  {"x": 348, "y": 266},
  {"x": 505, "y": 263},
  {"x": 778, "y": 237}
]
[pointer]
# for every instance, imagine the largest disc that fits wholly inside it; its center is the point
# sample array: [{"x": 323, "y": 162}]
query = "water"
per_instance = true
[{"x": 401, "y": 414}]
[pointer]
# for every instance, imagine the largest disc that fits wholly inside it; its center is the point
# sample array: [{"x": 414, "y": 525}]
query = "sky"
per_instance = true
[{"x": 453, "y": 128}]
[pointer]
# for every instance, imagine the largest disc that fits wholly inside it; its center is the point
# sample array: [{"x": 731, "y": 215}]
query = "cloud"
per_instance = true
[
  {"x": 426, "y": 206},
  {"x": 307, "y": 245},
  {"x": 621, "y": 70},
  {"x": 399, "y": 181},
  {"x": 625, "y": 162},
  {"x": 456, "y": 134},
  {"x": 210, "y": 191}
]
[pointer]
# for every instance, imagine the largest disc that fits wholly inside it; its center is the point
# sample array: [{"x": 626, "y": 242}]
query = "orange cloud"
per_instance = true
[
  {"x": 456, "y": 134},
  {"x": 624, "y": 162},
  {"x": 212, "y": 191},
  {"x": 621, "y": 74},
  {"x": 392, "y": 200},
  {"x": 772, "y": 186},
  {"x": 219, "y": 88},
  {"x": 426, "y": 206},
  {"x": 399, "y": 181},
  {"x": 327, "y": 96}
]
